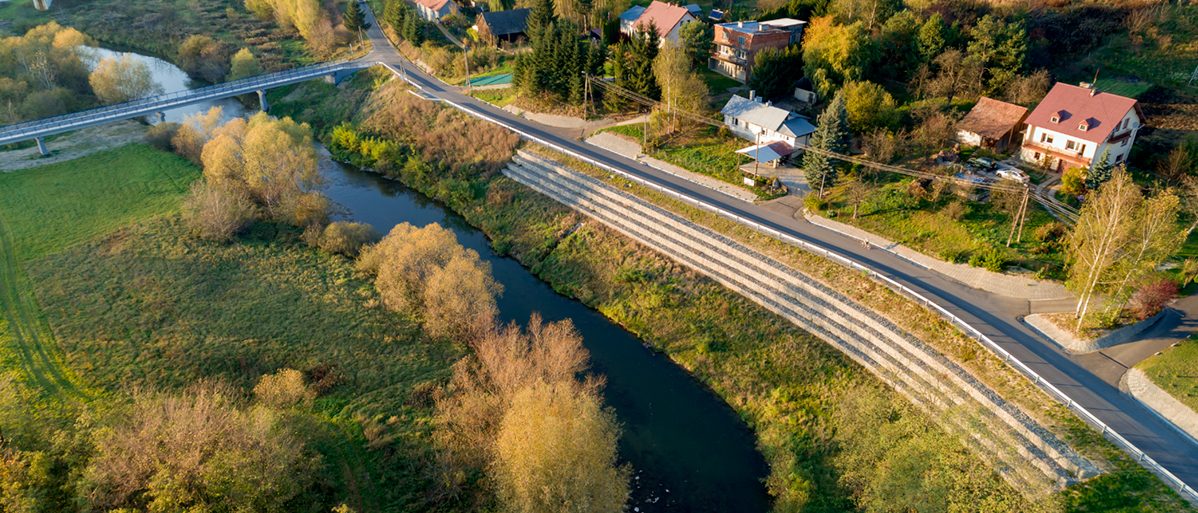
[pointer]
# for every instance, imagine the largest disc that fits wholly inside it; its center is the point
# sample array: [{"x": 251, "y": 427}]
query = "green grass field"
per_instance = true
[
  {"x": 1123, "y": 87},
  {"x": 717, "y": 84},
  {"x": 50, "y": 208},
  {"x": 1175, "y": 370}
]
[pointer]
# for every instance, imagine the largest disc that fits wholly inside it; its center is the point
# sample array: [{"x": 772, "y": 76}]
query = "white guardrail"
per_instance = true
[{"x": 1186, "y": 491}]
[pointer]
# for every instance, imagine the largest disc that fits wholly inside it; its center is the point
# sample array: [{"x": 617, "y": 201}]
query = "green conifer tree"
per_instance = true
[
  {"x": 830, "y": 134},
  {"x": 354, "y": 18},
  {"x": 1100, "y": 172}
]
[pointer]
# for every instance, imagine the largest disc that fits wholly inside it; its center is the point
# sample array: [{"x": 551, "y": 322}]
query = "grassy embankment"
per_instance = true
[
  {"x": 1175, "y": 370},
  {"x": 134, "y": 302},
  {"x": 836, "y": 438}
]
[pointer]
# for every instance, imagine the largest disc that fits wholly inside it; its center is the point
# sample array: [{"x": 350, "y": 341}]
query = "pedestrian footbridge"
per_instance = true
[{"x": 40, "y": 128}]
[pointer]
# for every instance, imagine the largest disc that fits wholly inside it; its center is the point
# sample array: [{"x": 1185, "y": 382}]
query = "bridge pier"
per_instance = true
[
  {"x": 161, "y": 116},
  {"x": 330, "y": 79},
  {"x": 41, "y": 146},
  {"x": 262, "y": 101}
]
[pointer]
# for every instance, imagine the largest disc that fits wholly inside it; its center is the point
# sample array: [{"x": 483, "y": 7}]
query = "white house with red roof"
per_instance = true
[
  {"x": 433, "y": 10},
  {"x": 1074, "y": 125},
  {"x": 668, "y": 18}
]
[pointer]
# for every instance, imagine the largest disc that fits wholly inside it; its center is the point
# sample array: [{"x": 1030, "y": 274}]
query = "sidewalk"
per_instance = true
[
  {"x": 632, "y": 150},
  {"x": 976, "y": 277}
]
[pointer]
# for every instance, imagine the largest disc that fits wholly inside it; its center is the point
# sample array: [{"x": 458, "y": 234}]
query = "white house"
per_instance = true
[
  {"x": 629, "y": 17},
  {"x": 1074, "y": 125},
  {"x": 433, "y": 10},
  {"x": 668, "y": 19},
  {"x": 763, "y": 123}
]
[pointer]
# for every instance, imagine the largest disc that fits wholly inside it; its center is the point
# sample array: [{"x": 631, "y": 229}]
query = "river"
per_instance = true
[
  {"x": 174, "y": 79},
  {"x": 689, "y": 451}
]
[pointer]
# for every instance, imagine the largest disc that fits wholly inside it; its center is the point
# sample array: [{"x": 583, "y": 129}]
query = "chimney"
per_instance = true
[
  {"x": 769, "y": 103},
  {"x": 753, "y": 95},
  {"x": 1093, "y": 91},
  {"x": 740, "y": 24}
]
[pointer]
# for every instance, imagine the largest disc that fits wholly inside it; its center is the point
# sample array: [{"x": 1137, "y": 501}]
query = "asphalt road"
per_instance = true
[{"x": 995, "y": 316}]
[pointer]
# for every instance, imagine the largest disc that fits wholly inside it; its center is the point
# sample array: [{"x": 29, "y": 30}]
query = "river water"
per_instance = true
[
  {"x": 678, "y": 435},
  {"x": 174, "y": 79},
  {"x": 689, "y": 451}
]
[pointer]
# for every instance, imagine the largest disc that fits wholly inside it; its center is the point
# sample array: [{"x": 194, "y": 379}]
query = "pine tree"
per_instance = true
[
  {"x": 1100, "y": 172},
  {"x": 354, "y": 18},
  {"x": 543, "y": 14},
  {"x": 412, "y": 29},
  {"x": 931, "y": 38},
  {"x": 394, "y": 14},
  {"x": 830, "y": 135}
]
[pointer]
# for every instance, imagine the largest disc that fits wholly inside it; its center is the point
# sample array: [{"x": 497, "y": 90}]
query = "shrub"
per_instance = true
[
  {"x": 347, "y": 238},
  {"x": 216, "y": 213},
  {"x": 283, "y": 389},
  {"x": 991, "y": 259},
  {"x": 952, "y": 256},
  {"x": 160, "y": 135},
  {"x": 814, "y": 203},
  {"x": 1152, "y": 297},
  {"x": 956, "y": 210},
  {"x": 1051, "y": 232}
]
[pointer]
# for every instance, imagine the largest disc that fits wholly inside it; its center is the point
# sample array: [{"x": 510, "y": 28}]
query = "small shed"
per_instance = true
[
  {"x": 992, "y": 124},
  {"x": 805, "y": 91},
  {"x": 695, "y": 10},
  {"x": 503, "y": 25},
  {"x": 716, "y": 15}
]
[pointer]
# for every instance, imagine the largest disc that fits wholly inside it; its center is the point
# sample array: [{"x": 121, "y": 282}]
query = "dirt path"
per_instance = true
[{"x": 73, "y": 145}]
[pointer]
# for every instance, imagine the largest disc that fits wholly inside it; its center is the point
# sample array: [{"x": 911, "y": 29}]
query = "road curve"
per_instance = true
[{"x": 995, "y": 316}]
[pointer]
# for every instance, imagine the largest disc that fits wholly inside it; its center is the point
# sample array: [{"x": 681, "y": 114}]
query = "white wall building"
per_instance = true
[
  {"x": 1073, "y": 126},
  {"x": 762, "y": 123}
]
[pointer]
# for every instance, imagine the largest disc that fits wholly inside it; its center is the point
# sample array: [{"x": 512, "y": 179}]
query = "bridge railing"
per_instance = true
[
  {"x": 1183, "y": 489},
  {"x": 166, "y": 101}
]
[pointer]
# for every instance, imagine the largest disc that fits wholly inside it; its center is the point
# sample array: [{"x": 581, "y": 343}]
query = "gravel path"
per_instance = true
[{"x": 73, "y": 145}]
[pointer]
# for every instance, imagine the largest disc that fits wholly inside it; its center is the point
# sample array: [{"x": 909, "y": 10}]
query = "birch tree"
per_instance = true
[
  {"x": 1103, "y": 234},
  {"x": 1154, "y": 237}
]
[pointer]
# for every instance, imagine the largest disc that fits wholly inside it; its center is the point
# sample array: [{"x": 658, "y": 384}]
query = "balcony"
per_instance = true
[
  {"x": 1075, "y": 158},
  {"x": 730, "y": 57}
]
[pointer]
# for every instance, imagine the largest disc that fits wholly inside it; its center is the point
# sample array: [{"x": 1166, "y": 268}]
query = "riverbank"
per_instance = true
[{"x": 790, "y": 388}]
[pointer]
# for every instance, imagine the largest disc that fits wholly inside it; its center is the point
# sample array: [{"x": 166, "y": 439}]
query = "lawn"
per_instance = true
[
  {"x": 1123, "y": 87},
  {"x": 717, "y": 84},
  {"x": 701, "y": 150},
  {"x": 1175, "y": 370},
  {"x": 1164, "y": 54},
  {"x": 942, "y": 231},
  {"x": 50, "y": 208}
]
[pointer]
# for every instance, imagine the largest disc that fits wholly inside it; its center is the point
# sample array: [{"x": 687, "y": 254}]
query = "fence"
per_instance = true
[
  {"x": 45, "y": 126},
  {"x": 1186, "y": 491}
]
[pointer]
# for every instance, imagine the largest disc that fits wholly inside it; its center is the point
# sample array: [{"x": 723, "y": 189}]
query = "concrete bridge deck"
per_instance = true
[{"x": 40, "y": 128}]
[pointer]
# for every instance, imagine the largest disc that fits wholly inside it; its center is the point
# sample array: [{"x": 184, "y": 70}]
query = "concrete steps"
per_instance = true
[{"x": 1022, "y": 451}]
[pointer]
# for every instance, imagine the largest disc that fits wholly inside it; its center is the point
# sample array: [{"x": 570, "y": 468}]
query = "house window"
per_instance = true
[
  {"x": 1037, "y": 157},
  {"x": 1046, "y": 139},
  {"x": 1124, "y": 143},
  {"x": 1125, "y": 122},
  {"x": 1082, "y": 149},
  {"x": 1055, "y": 119},
  {"x": 1119, "y": 157},
  {"x": 1082, "y": 127},
  {"x": 740, "y": 41},
  {"x": 726, "y": 37},
  {"x": 1070, "y": 145}
]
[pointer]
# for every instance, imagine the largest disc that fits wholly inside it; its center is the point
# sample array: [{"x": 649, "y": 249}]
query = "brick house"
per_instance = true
[
  {"x": 1074, "y": 125},
  {"x": 668, "y": 18},
  {"x": 737, "y": 44}
]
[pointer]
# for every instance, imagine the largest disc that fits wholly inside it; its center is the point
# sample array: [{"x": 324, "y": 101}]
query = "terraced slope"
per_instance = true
[{"x": 1023, "y": 452}]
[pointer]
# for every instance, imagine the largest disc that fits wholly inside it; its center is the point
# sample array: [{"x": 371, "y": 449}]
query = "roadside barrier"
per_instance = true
[{"x": 1186, "y": 491}]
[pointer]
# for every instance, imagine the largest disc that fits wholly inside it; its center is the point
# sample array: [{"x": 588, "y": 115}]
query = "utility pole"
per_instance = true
[
  {"x": 466, "y": 54},
  {"x": 1017, "y": 220},
  {"x": 757, "y": 155}
]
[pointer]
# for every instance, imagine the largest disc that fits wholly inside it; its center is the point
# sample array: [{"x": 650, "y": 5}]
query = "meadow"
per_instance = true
[{"x": 1175, "y": 370}]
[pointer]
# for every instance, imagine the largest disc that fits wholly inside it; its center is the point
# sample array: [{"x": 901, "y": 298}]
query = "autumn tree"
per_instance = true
[
  {"x": 274, "y": 161},
  {"x": 216, "y": 213},
  {"x": 869, "y": 106},
  {"x": 1118, "y": 238},
  {"x": 244, "y": 65},
  {"x": 122, "y": 80},
  {"x": 556, "y": 451},
  {"x": 1028, "y": 90},
  {"x": 426, "y": 270},
  {"x": 833, "y": 53},
  {"x": 203, "y": 57},
  {"x": 194, "y": 133},
  {"x": 198, "y": 450},
  {"x": 347, "y": 238},
  {"x": 681, "y": 89}
]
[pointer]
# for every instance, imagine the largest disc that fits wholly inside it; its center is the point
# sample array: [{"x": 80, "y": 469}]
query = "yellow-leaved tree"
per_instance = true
[{"x": 122, "y": 80}]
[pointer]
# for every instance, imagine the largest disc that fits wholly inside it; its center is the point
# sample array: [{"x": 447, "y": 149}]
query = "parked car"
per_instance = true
[
  {"x": 981, "y": 164},
  {"x": 1011, "y": 173}
]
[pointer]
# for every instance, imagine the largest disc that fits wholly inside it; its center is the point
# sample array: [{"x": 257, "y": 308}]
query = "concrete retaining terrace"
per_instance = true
[{"x": 1019, "y": 448}]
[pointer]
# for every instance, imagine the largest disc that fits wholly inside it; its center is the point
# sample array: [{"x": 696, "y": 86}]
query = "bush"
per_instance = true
[
  {"x": 814, "y": 203},
  {"x": 992, "y": 259},
  {"x": 160, "y": 135},
  {"x": 952, "y": 256},
  {"x": 1051, "y": 232},
  {"x": 216, "y": 213},
  {"x": 1152, "y": 297},
  {"x": 283, "y": 389},
  {"x": 347, "y": 238},
  {"x": 956, "y": 210}
]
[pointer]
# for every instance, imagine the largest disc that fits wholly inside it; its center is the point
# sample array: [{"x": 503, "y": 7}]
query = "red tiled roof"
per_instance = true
[
  {"x": 664, "y": 16},
  {"x": 992, "y": 119},
  {"x": 1102, "y": 112},
  {"x": 435, "y": 5}
]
